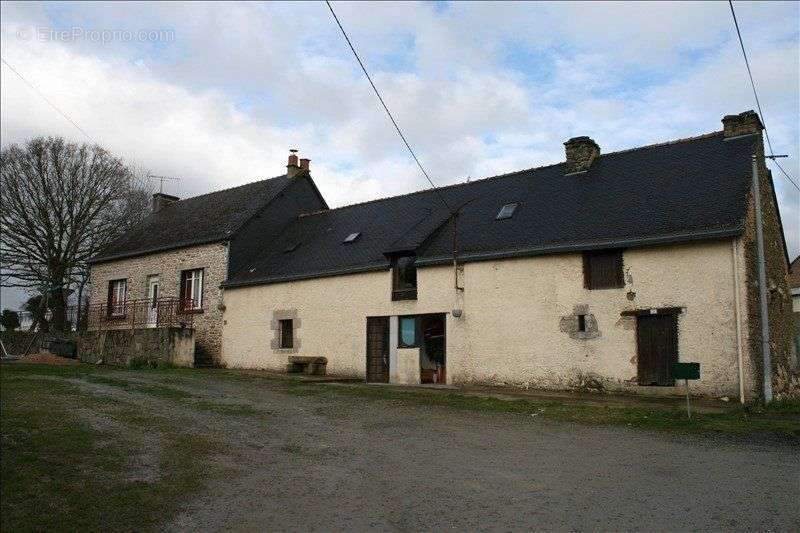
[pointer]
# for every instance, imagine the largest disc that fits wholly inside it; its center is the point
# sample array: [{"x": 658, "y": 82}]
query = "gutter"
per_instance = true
[
  {"x": 521, "y": 252},
  {"x": 165, "y": 248},
  {"x": 596, "y": 245},
  {"x": 311, "y": 275}
]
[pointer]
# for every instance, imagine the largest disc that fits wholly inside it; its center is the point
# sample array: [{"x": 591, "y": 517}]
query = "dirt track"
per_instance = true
[{"x": 311, "y": 459}]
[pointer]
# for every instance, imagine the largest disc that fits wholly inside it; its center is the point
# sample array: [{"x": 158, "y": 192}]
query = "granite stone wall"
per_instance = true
[
  {"x": 212, "y": 258},
  {"x": 778, "y": 293},
  {"x": 122, "y": 347}
]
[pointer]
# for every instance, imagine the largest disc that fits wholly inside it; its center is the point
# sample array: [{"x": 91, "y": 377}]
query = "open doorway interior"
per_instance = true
[{"x": 432, "y": 357}]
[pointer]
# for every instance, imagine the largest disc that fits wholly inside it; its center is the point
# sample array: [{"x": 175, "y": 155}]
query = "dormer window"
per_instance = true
[
  {"x": 404, "y": 278},
  {"x": 507, "y": 211}
]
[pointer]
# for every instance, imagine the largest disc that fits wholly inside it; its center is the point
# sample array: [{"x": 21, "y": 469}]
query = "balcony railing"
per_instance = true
[{"x": 149, "y": 313}]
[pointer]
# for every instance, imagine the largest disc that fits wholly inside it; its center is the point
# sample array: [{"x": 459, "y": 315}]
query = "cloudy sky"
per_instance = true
[{"x": 216, "y": 94}]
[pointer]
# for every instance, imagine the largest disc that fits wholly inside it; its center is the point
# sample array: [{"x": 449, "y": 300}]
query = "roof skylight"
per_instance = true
[
  {"x": 352, "y": 237},
  {"x": 507, "y": 211}
]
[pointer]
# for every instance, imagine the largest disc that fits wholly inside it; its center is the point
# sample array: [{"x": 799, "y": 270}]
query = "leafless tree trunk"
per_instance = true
[{"x": 61, "y": 204}]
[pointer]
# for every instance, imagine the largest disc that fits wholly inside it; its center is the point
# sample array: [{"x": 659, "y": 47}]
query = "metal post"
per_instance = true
[
  {"x": 688, "y": 410},
  {"x": 762, "y": 285}
]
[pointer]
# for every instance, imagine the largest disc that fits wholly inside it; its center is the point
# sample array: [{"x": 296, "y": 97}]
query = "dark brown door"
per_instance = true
[
  {"x": 378, "y": 349},
  {"x": 657, "y": 341}
]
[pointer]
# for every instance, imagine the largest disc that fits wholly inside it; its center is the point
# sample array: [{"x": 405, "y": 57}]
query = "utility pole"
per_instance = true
[{"x": 762, "y": 285}]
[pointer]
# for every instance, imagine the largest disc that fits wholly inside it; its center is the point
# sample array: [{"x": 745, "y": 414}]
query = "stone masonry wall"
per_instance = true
[
  {"x": 518, "y": 319},
  {"x": 780, "y": 302},
  {"x": 212, "y": 258},
  {"x": 122, "y": 347}
]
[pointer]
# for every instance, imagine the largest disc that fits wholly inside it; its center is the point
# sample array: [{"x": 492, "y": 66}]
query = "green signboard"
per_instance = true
[{"x": 686, "y": 370}]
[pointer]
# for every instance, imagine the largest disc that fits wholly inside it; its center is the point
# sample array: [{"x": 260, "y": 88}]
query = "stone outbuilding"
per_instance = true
[{"x": 598, "y": 272}]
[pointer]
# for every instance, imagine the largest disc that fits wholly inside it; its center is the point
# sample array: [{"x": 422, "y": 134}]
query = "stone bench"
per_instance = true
[{"x": 307, "y": 365}]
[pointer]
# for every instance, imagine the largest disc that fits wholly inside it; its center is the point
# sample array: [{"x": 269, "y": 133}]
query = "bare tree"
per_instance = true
[{"x": 61, "y": 204}]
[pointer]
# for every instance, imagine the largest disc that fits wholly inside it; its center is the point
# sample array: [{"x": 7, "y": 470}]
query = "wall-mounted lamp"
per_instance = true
[{"x": 458, "y": 312}]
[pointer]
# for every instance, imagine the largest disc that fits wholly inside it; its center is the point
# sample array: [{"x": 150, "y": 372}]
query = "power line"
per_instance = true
[
  {"x": 54, "y": 106},
  {"x": 386, "y": 108},
  {"x": 786, "y": 175},
  {"x": 755, "y": 94}
]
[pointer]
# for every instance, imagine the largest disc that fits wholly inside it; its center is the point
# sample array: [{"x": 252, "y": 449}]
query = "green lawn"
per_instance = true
[
  {"x": 61, "y": 472},
  {"x": 780, "y": 420},
  {"x": 93, "y": 448}
]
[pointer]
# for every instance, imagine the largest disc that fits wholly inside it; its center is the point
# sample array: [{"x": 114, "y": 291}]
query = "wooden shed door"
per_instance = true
[
  {"x": 657, "y": 341},
  {"x": 378, "y": 349}
]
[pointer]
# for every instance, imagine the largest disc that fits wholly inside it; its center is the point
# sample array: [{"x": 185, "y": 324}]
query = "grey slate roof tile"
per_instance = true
[
  {"x": 678, "y": 191},
  {"x": 201, "y": 219}
]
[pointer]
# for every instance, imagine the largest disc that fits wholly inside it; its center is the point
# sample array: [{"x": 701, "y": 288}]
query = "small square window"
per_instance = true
[
  {"x": 352, "y": 237},
  {"x": 507, "y": 211},
  {"x": 287, "y": 333},
  {"x": 407, "y": 332},
  {"x": 602, "y": 269}
]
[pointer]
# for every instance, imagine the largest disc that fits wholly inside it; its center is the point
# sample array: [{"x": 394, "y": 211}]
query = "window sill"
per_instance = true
[
  {"x": 117, "y": 317},
  {"x": 407, "y": 294},
  {"x": 190, "y": 311}
]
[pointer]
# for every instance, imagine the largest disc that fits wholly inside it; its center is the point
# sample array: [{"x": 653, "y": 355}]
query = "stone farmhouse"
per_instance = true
[
  {"x": 170, "y": 268},
  {"x": 598, "y": 272}
]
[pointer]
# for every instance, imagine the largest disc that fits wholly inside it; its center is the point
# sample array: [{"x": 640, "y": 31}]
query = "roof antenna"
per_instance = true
[{"x": 161, "y": 181}]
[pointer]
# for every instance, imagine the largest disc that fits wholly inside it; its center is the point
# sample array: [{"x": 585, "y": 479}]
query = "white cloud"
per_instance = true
[{"x": 479, "y": 88}]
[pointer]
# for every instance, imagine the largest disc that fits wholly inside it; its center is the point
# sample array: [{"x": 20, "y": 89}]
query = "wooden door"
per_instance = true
[
  {"x": 657, "y": 349},
  {"x": 378, "y": 349}
]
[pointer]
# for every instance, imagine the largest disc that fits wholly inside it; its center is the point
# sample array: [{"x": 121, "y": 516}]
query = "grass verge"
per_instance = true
[
  {"x": 63, "y": 471},
  {"x": 782, "y": 421}
]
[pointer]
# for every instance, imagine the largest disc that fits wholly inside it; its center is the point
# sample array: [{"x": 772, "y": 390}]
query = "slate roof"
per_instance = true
[
  {"x": 672, "y": 192},
  {"x": 199, "y": 220}
]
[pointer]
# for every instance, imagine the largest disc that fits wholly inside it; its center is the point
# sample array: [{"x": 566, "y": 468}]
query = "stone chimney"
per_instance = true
[
  {"x": 161, "y": 200},
  {"x": 305, "y": 164},
  {"x": 745, "y": 123},
  {"x": 293, "y": 167},
  {"x": 581, "y": 151}
]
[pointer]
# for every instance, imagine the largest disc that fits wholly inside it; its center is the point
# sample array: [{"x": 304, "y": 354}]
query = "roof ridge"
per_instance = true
[
  {"x": 666, "y": 143},
  {"x": 231, "y": 188},
  {"x": 509, "y": 174},
  {"x": 266, "y": 204}
]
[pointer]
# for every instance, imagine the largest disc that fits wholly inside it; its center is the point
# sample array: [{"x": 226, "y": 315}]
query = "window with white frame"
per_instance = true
[
  {"x": 117, "y": 294},
  {"x": 192, "y": 289}
]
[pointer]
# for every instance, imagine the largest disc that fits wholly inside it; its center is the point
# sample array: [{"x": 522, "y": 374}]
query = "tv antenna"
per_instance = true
[{"x": 162, "y": 179}]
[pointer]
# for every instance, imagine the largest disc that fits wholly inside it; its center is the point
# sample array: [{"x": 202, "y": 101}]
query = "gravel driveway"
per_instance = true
[{"x": 320, "y": 461}]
